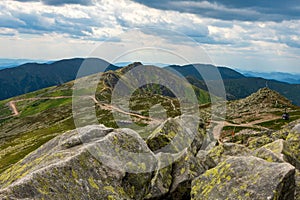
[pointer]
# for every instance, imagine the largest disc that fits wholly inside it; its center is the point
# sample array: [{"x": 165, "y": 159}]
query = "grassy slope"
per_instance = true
[{"x": 41, "y": 120}]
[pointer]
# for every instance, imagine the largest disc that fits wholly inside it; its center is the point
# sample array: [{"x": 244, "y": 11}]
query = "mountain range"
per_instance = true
[
  {"x": 279, "y": 76},
  {"x": 44, "y": 154},
  {"x": 33, "y": 76}
]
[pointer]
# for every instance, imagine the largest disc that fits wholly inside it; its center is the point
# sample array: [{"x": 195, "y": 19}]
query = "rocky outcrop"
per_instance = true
[
  {"x": 246, "y": 178},
  {"x": 67, "y": 168},
  {"x": 175, "y": 134},
  {"x": 226, "y": 150},
  {"x": 282, "y": 150},
  {"x": 278, "y": 151},
  {"x": 297, "y": 189},
  {"x": 183, "y": 135},
  {"x": 96, "y": 162}
]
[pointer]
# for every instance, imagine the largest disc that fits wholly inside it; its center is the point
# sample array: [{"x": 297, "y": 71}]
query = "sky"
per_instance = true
[{"x": 259, "y": 35}]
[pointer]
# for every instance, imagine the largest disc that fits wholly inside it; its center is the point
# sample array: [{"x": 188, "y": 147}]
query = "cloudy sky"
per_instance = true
[{"x": 259, "y": 35}]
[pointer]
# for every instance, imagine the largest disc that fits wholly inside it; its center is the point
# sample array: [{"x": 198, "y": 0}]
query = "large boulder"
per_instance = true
[
  {"x": 173, "y": 182},
  {"x": 81, "y": 166},
  {"x": 293, "y": 145},
  {"x": 96, "y": 162},
  {"x": 226, "y": 150},
  {"x": 297, "y": 190},
  {"x": 176, "y": 134},
  {"x": 281, "y": 151},
  {"x": 246, "y": 178},
  {"x": 273, "y": 152},
  {"x": 185, "y": 169}
]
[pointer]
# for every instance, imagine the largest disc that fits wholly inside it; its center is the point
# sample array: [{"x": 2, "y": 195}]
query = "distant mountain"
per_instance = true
[
  {"x": 33, "y": 76},
  {"x": 279, "y": 76},
  {"x": 189, "y": 70},
  {"x": 8, "y": 63},
  {"x": 237, "y": 85}
]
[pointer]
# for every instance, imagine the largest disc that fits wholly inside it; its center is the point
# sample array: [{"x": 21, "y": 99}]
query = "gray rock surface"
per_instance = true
[{"x": 246, "y": 178}]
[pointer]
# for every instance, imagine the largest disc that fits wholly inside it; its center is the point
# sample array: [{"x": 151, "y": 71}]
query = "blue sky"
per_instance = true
[{"x": 259, "y": 35}]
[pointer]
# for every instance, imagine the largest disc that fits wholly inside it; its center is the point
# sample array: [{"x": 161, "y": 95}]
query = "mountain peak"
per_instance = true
[
  {"x": 130, "y": 67},
  {"x": 268, "y": 97},
  {"x": 263, "y": 100}
]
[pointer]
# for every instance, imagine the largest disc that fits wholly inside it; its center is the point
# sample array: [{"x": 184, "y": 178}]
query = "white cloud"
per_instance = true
[{"x": 35, "y": 30}]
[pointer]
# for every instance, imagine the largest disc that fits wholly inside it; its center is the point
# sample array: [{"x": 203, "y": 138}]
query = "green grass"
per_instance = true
[
  {"x": 57, "y": 93},
  {"x": 27, "y": 142},
  {"x": 292, "y": 113},
  {"x": 38, "y": 106},
  {"x": 278, "y": 123},
  {"x": 4, "y": 109},
  {"x": 238, "y": 128}
]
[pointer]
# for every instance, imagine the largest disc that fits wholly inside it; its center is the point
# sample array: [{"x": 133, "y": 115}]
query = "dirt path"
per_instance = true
[
  {"x": 15, "y": 112},
  {"x": 110, "y": 107},
  {"x": 220, "y": 124},
  {"x": 14, "y": 109},
  {"x": 217, "y": 129}
]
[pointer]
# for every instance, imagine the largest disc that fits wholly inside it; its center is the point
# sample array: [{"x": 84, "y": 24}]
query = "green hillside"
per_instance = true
[{"x": 46, "y": 113}]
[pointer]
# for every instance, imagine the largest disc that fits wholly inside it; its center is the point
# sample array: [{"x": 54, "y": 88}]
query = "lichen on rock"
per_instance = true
[{"x": 246, "y": 178}]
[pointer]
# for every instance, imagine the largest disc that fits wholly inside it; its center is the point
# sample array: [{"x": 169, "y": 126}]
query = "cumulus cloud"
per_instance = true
[{"x": 227, "y": 28}]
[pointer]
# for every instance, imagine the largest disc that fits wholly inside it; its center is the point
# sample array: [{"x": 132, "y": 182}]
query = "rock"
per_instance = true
[
  {"x": 174, "y": 181},
  {"x": 293, "y": 148},
  {"x": 268, "y": 155},
  {"x": 67, "y": 169},
  {"x": 225, "y": 150},
  {"x": 281, "y": 151},
  {"x": 246, "y": 178},
  {"x": 297, "y": 189},
  {"x": 96, "y": 162},
  {"x": 206, "y": 161},
  {"x": 296, "y": 128},
  {"x": 257, "y": 142},
  {"x": 175, "y": 134},
  {"x": 162, "y": 179},
  {"x": 185, "y": 169}
]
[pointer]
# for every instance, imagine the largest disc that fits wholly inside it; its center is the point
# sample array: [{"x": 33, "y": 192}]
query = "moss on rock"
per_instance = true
[{"x": 245, "y": 178}]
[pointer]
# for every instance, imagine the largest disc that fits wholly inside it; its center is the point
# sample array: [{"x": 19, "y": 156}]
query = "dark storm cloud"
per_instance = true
[{"x": 262, "y": 10}]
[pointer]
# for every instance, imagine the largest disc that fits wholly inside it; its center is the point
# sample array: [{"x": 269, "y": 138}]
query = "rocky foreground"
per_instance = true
[{"x": 68, "y": 167}]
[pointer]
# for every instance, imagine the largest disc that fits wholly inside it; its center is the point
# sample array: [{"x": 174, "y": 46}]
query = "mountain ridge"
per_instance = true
[
  {"x": 33, "y": 76},
  {"x": 20, "y": 80}
]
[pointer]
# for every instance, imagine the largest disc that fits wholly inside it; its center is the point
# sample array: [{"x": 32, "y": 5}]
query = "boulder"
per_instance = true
[
  {"x": 162, "y": 180},
  {"x": 176, "y": 134},
  {"x": 71, "y": 168},
  {"x": 281, "y": 151},
  {"x": 293, "y": 146},
  {"x": 257, "y": 142},
  {"x": 246, "y": 178},
  {"x": 174, "y": 181},
  {"x": 225, "y": 150},
  {"x": 185, "y": 169},
  {"x": 297, "y": 189}
]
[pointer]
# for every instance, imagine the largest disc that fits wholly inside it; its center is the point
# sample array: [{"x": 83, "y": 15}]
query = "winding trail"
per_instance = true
[
  {"x": 110, "y": 107},
  {"x": 217, "y": 129},
  {"x": 14, "y": 109}
]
